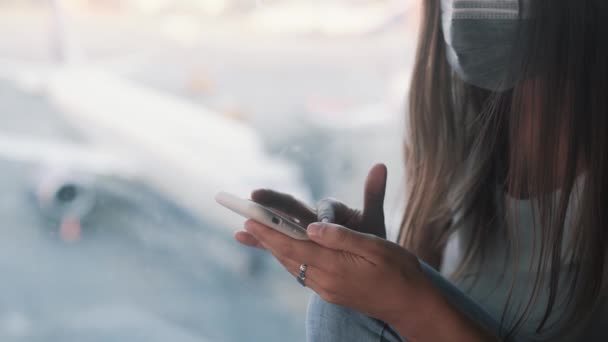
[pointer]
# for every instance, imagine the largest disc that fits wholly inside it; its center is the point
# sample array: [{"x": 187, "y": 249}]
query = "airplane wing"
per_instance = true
[{"x": 184, "y": 149}]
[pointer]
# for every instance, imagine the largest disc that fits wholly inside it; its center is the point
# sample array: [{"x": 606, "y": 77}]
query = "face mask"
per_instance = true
[{"x": 480, "y": 37}]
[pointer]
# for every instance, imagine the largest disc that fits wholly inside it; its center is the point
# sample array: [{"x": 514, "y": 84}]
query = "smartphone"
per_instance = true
[{"x": 263, "y": 215}]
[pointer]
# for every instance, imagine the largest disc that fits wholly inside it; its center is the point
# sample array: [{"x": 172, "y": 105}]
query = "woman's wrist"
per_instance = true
[{"x": 433, "y": 318}]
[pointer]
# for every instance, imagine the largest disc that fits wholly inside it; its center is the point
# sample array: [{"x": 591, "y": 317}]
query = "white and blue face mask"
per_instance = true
[{"x": 481, "y": 37}]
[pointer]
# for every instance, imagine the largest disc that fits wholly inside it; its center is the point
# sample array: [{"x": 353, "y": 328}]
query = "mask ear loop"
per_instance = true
[{"x": 482, "y": 10}]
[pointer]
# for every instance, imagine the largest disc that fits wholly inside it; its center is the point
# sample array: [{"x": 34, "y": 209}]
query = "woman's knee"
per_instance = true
[{"x": 330, "y": 322}]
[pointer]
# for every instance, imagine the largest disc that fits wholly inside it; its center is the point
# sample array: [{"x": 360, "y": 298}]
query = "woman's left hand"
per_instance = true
[{"x": 360, "y": 271}]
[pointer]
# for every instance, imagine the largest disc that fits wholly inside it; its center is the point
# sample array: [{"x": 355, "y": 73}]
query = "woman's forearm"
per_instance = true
[
  {"x": 430, "y": 253},
  {"x": 438, "y": 321}
]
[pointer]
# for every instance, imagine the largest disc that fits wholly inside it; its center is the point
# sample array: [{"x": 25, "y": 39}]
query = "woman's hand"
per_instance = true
[
  {"x": 360, "y": 271},
  {"x": 370, "y": 220}
]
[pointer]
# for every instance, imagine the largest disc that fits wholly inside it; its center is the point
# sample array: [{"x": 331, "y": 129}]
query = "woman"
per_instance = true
[{"x": 506, "y": 157}]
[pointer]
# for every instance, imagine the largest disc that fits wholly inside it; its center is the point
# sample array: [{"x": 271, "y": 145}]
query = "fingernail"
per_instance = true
[
  {"x": 250, "y": 226},
  {"x": 314, "y": 229}
]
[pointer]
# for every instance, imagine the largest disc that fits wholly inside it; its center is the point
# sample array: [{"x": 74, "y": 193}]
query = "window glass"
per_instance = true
[{"x": 121, "y": 119}]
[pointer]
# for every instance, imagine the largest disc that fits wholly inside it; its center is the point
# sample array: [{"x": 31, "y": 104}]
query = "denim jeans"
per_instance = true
[{"x": 327, "y": 322}]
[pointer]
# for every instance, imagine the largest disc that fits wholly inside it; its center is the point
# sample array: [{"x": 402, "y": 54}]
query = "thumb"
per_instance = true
[
  {"x": 341, "y": 238},
  {"x": 372, "y": 218},
  {"x": 373, "y": 198}
]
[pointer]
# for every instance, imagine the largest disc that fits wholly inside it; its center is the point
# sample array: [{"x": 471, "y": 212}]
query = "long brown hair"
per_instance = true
[{"x": 465, "y": 147}]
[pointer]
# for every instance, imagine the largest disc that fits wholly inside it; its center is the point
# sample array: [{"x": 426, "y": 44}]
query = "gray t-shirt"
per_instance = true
[{"x": 495, "y": 277}]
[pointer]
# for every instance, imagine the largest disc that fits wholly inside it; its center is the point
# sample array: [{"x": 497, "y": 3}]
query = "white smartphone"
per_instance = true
[{"x": 263, "y": 215}]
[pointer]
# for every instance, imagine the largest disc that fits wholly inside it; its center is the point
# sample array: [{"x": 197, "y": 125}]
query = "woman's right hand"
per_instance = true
[{"x": 370, "y": 220}]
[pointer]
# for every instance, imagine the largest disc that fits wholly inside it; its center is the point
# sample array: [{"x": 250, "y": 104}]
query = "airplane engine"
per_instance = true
[{"x": 64, "y": 195}]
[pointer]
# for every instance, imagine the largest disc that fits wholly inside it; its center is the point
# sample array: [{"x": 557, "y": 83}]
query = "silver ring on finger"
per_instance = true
[{"x": 302, "y": 276}]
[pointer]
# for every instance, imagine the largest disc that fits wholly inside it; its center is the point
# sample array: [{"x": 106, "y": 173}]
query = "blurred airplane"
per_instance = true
[
  {"x": 161, "y": 264},
  {"x": 182, "y": 149}
]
